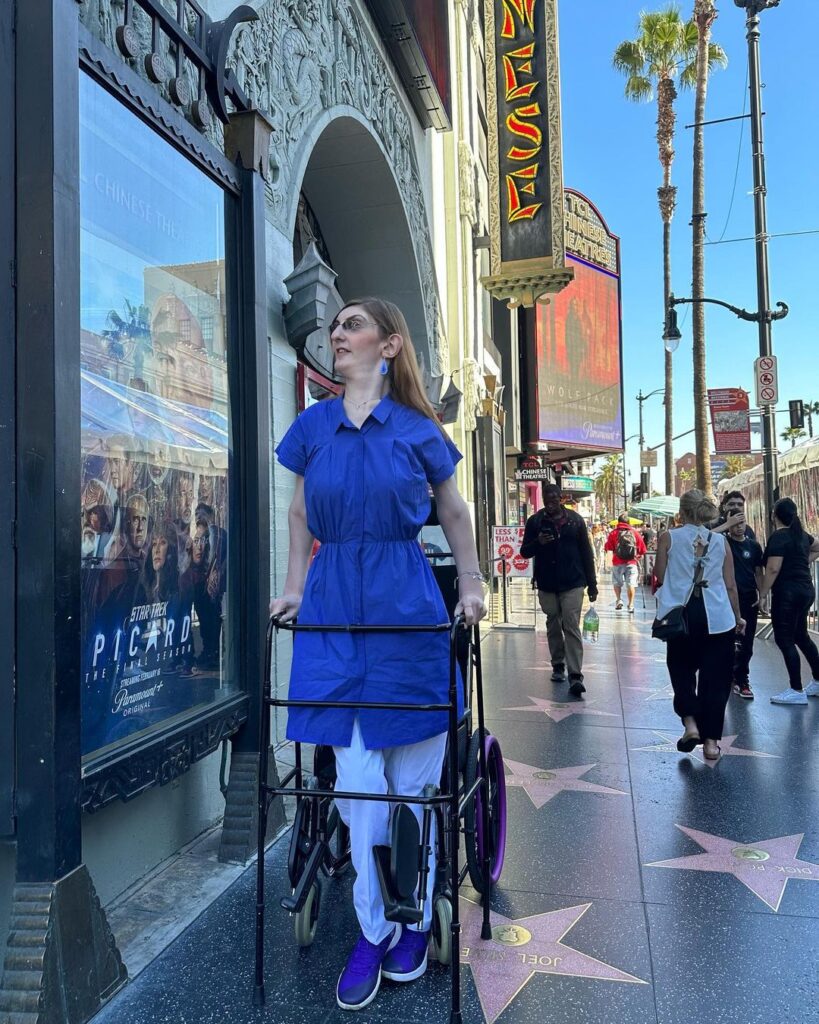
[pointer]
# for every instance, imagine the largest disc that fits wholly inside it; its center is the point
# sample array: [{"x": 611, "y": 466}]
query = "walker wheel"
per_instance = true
[
  {"x": 477, "y": 842},
  {"x": 305, "y": 922},
  {"x": 441, "y": 945}
]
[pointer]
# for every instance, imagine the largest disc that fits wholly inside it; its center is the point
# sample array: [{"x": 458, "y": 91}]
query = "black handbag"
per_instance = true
[{"x": 674, "y": 624}]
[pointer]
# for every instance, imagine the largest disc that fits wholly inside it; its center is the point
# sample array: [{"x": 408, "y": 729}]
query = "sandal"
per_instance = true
[
  {"x": 689, "y": 739},
  {"x": 713, "y": 757}
]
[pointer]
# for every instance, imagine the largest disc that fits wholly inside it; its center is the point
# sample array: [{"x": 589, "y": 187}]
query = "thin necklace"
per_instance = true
[{"x": 360, "y": 405}]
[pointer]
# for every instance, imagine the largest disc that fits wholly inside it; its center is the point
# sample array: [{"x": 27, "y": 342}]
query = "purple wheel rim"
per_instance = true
[{"x": 494, "y": 758}]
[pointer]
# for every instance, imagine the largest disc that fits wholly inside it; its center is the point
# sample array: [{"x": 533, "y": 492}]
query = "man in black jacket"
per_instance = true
[{"x": 558, "y": 541}]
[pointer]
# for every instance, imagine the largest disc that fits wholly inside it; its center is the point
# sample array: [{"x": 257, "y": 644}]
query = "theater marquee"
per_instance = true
[{"x": 526, "y": 220}]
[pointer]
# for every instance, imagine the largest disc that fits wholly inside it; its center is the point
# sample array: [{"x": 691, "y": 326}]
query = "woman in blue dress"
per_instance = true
[{"x": 363, "y": 463}]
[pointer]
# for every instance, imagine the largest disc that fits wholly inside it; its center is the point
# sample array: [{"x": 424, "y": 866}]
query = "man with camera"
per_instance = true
[{"x": 558, "y": 541}]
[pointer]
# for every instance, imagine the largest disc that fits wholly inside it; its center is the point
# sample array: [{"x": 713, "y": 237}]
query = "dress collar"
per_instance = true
[{"x": 381, "y": 413}]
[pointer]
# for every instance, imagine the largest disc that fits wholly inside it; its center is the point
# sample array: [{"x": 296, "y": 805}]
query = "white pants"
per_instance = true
[{"x": 405, "y": 770}]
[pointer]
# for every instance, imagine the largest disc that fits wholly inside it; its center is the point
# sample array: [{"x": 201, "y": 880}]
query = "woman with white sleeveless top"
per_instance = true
[{"x": 700, "y": 664}]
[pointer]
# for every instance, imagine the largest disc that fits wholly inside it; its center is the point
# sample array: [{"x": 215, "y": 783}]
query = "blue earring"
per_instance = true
[{"x": 384, "y": 369}]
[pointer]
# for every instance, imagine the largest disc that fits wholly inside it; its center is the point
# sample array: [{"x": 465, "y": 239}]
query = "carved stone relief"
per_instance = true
[
  {"x": 470, "y": 381},
  {"x": 301, "y": 59},
  {"x": 298, "y": 61},
  {"x": 466, "y": 183}
]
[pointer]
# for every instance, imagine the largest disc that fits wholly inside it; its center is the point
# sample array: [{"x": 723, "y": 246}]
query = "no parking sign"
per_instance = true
[{"x": 506, "y": 557}]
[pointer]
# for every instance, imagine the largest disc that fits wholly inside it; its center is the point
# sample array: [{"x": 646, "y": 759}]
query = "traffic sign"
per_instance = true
[{"x": 766, "y": 380}]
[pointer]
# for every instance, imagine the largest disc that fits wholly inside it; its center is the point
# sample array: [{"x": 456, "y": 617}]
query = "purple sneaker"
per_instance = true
[
  {"x": 408, "y": 960},
  {"x": 361, "y": 978}
]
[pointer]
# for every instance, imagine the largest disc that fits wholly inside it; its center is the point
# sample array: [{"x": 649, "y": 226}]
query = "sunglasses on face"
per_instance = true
[{"x": 351, "y": 325}]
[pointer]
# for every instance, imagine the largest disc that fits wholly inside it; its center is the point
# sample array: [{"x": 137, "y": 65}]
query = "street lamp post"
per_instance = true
[
  {"x": 764, "y": 316},
  {"x": 640, "y": 399},
  {"x": 625, "y": 484},
  {"x": 769, "y": 448}
]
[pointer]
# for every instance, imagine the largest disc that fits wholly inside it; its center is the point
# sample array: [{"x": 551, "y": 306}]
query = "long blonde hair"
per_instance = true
[
  {"x": 697, "y": 508},
  {"x": 406, "y": 383}
]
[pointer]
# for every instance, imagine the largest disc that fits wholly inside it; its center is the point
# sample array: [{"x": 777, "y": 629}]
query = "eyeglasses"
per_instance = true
[{"x": 352, "y": 325}]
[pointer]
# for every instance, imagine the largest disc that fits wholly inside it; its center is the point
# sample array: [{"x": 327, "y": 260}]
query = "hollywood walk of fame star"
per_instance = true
[
  {"x": 668, "y": 745},
  {"x": 541, "y": 784},
  {"x": 519, "y": 948},
  {"x": 654, "y": 692},
  {"x": 658, "y": 659},
  {"x": 764, "y": 866},
  {"x": 586, "y": 669},
  {"x": 558, "y": 710}
]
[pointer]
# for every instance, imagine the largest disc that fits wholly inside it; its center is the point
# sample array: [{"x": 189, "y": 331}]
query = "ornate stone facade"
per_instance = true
[
  {"x": 302, "y": 59},
  {"x": 466, "y": 183},
  {"x": 298, "y": 63}
]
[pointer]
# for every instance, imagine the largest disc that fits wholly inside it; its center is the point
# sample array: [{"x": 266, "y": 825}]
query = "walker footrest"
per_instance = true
[
  {"x": 401, "y": 909},
  {"x": 295, "y": 902},
  {"x": 398, "y": 866}
]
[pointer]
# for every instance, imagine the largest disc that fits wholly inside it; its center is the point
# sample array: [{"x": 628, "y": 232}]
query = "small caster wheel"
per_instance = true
[
  {"x": 441, "y": 945},
  {"x": 305, "y": 922}
]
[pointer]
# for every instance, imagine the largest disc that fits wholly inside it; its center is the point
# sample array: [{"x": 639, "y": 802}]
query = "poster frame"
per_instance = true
[
  {"x": 572, "y": 256},
  {"x": 7, "y": 430},
  {"x": 170, "y": 750}
]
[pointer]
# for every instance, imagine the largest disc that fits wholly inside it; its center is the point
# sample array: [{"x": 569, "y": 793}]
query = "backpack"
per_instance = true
[{"x": 626, "y": 546}]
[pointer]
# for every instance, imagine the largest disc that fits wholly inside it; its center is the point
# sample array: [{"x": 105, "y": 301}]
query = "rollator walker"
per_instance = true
[{"x": 470, "y": 800}]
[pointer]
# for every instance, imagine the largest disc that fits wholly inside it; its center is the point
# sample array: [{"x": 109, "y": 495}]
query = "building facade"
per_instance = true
[{"x": 212, "y": 183}]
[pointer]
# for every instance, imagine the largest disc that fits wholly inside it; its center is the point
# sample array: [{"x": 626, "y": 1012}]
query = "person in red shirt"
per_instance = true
[{"x": 627, "y": 548}]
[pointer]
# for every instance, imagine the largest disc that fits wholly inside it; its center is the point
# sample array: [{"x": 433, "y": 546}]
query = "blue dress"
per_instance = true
[{"x": 367, "y": 498}]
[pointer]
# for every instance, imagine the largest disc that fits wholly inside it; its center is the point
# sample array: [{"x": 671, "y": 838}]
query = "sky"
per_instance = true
[{"x": 610, "y": 155}]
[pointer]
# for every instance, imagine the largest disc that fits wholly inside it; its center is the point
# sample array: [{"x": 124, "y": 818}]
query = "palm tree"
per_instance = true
[
  {"x": 129, "y": 336},
  {"x": 608, "y": 484},
  {"x": 686, "y": 476},
  {"x": 664, "y": 50},
  {"x": 734, "y": 465},
  {"x": 811, "y": 410},
  {"x": 793, "y": 434},
  {"x": 709, "y": 56}
]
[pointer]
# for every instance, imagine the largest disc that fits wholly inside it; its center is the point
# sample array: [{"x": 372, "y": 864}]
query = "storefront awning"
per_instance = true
[{"x": 666, "y": 505}]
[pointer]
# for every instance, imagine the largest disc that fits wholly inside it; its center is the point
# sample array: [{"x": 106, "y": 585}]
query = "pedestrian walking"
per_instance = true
[
  {"x": 788, "y": 556},
  {"x": 599, "y": 545},
  {"x": 627, "y": 547},
  {"x": 748, "y": 557},
  {"x": 557, "y": 539},
  {"x": 695, "y": 571},
  {"x": 363, "y": 463}
]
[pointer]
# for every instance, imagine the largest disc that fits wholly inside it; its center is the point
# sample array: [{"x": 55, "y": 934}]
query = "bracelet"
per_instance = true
[{"x": 474, "y": 575}]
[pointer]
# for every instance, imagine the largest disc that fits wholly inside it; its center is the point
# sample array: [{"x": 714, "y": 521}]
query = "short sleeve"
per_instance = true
[
  {"x": 439, "y": 456},
  {"x": 291, "y": 451},
  {"x": 777, "y": 546}
]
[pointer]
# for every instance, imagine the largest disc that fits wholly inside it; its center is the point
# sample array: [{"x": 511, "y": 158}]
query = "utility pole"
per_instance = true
[
  {"x": 768, "y": 413},
  {"x": 647, "y": 469}
]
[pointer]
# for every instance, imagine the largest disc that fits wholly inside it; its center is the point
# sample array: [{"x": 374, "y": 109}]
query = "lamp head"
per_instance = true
[{"x": 671, "y": 335}]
